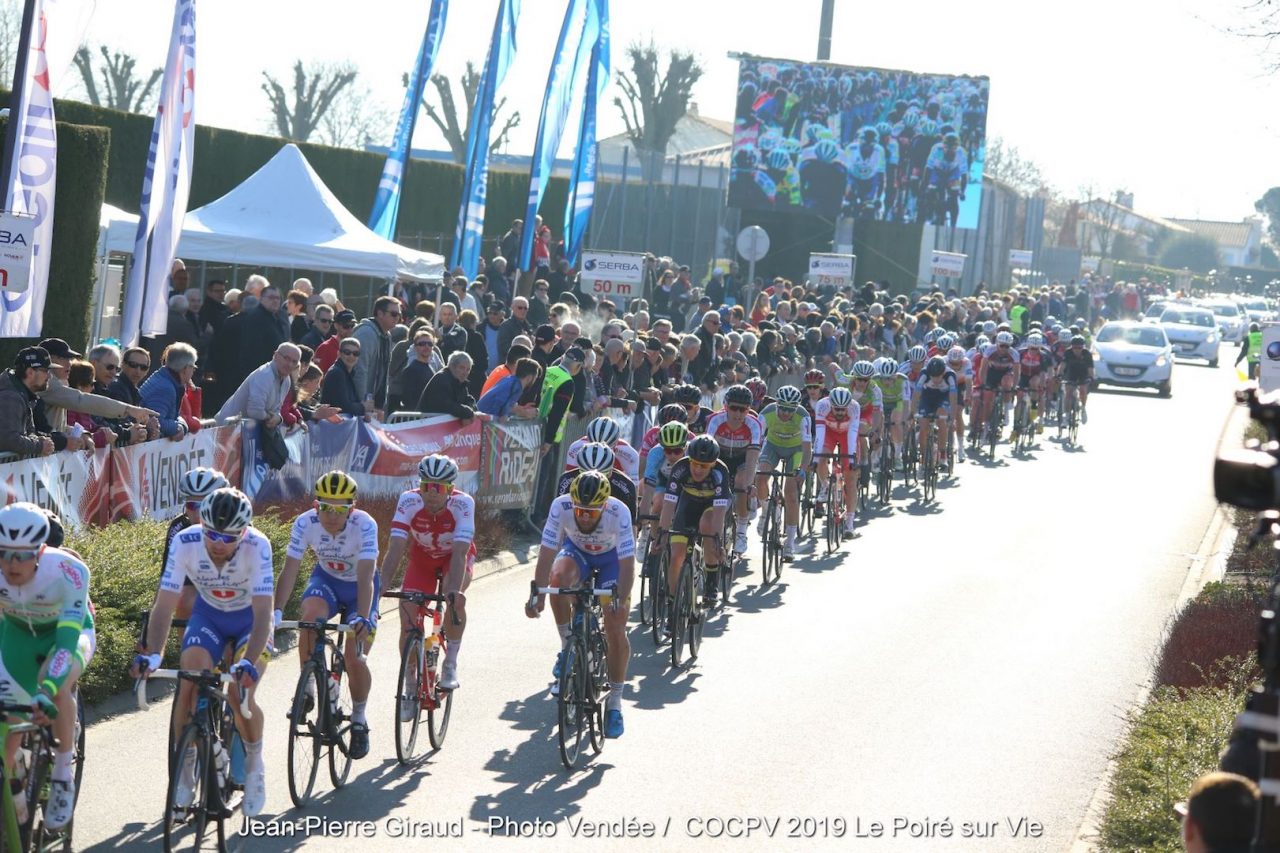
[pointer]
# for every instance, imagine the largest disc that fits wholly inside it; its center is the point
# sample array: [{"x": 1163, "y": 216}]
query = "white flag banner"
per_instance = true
[{"x": 166, "y": 185}]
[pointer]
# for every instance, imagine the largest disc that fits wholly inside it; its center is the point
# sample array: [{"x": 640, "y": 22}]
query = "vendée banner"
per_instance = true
[
  {"x": 470, "y": 232},
  {"x": 582, "y": 181},
  {"x": 386, "y": 204},
  {"x": 74, "y": 485},
  {"x": 144, "y": 477},
  {"x": 573, "y": 49},
  {"x": 509, "y": 467},
  {"x": 166, "y": 185}
]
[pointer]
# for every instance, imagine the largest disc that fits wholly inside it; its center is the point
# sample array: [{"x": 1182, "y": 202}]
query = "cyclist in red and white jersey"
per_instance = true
[
  {"x": 437, "y": 523},
  {"x": 837, "y": 418},
  {"x": 960, "y": 365},
  {"x": 740, "y": 434},
  {"x": 605, "y": 430},
  {"x": 1037, "y": 365},
  {"x": 1000, "y": 368}
]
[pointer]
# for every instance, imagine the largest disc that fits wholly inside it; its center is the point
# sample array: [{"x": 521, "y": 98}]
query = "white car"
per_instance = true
[
  {"x": 1257, "y": 309},
  {"x": 1192, "y": 331},
  {"x": 1232, "y": 322},
  {"x": 1134, "y": 355}
]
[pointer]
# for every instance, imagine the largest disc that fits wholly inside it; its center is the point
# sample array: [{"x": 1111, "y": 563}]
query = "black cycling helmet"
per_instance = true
[
  {"x": 1077, "y": 340},
  {"x": 688, "y": 395},
  {"x": 936, "y": 366},
  {"x": 1254, "y": 327},
  {"x": 672, "y": 412},
  {"x": 738, "y": 395},
  {"x": 57, "y": 535},
  {"x": 703, "y": 449}
]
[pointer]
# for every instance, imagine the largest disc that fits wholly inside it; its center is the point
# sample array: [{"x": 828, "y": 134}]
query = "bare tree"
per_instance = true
[
  {"x": 454, "y": 126},
  {"x": 1006, "y": 163},
  {"x": 122, "y": 88},
  {"x": 1260, "y": 24},
  {"x": 10, "y": 29},
  {"x": 356, "y": 118},
  {"x": 312, "y": 96},
  {"x": 1102, "y": 221},
  {"x": 655, "y": 101}
]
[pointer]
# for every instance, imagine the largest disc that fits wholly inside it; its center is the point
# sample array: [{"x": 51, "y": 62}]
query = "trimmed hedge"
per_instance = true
[{"x": 83, "y": 153}]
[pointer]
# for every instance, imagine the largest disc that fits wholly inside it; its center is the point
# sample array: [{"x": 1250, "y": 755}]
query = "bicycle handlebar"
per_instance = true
[
  {"x": 295, "y": 624},
  {"x": 416, "y": 597},
  {"x": 197, "y": 676}
]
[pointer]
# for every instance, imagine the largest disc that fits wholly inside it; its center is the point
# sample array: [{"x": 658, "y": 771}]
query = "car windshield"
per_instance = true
[
  {"x": 1156, "y": 310},
  {"x": 1256, "y": 305},
  {"x": 1141, "y": 336},
  {"x": 1188, "y": 318},
  {"x": 1222, "y": 309}
]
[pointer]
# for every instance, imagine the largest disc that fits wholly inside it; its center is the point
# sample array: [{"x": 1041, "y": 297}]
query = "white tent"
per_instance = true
[{"x": 282, "y": 216}]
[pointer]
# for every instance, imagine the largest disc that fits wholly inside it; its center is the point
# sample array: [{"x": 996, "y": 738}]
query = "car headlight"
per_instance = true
[
  {"x": 1097, "y": 356},
  {"x": 1161, "y": 361},
  {"x": 1212, "y": 339}
]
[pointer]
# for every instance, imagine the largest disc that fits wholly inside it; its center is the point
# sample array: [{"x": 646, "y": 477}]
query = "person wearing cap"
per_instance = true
[
  {"x": 19, "y": 389},
  {"x": 558, "y": 393},
  {"x": 326, "y": 354},
  {"x": 58, "y": 397},
  {"x": 1220, "y": 814},
  {"x": 544, "y": 345}
]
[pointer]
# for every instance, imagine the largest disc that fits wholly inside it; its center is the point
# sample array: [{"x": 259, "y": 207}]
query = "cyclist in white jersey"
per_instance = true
[
  {"x": 229, "y": 562},
  {"x": 343, "y": 582},
  {"x": 588, "y": 538},
  {"x": 606, "y": 431}
]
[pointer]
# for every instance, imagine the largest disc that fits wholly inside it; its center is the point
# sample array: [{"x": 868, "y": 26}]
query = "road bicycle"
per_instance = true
[
  {"x": 584, "y": 674},
  {"x": 835, "y": 497},
  {"x": 771, "y": 533},
  {"x": 728, "y": 556},
  {"x": 648, "y": 556},
  {"x": 995, "y": 421},
  {"x": 1073, "y": 413},
  {"x": 32, "y": 764},
  {"x": 320, "y": 716},
  {"x": 686, "y": 615},
  {"x": 808, "y": 507},
  {"x": 418, "y": 684},
  {"x": 929, "y": 460},
  {"x": 888, "y": 459},
  {"x": 910, "y": 450},
  {"x": 205, "y": 742},
  {"x": 1023, "y": 428}
]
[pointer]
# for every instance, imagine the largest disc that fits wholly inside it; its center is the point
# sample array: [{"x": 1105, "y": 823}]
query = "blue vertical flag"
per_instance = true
[
  {"x": 582, "y": 183},
  {"x": 386, "y": 204},
  {"x": 573, "y": 51},
  {"x": 466, "y": 243}
]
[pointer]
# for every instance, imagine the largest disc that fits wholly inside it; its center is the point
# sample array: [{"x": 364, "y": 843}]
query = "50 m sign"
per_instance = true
[{"x": 612, "y": 274}]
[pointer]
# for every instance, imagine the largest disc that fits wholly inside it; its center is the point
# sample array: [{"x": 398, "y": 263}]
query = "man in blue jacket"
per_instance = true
[
  {"x": 503, "y": 399},
  {"x": 163, "y": 391}
]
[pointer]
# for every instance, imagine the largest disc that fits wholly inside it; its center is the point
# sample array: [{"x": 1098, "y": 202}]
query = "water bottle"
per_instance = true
[
  {"x": 237, "y": 758},
  {"x": 221, "y": 762},
  {"x": 335, "y": 681}
]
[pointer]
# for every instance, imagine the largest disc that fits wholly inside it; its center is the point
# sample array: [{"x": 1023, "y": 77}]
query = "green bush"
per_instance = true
[{"x": 1174, "y": 738}]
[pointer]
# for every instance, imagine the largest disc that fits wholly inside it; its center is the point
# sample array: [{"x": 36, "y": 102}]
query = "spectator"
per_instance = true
[
  {"x": 502, "y": 371},
  {"x": 419, "y": 369},
  {"x": 558, "y": 392},
  {"x": 542, "y": 252},
  {"x": 476, "y": 349},
  {"x": 213, "y": 311},
  {"x": 58, "y": 397},
  {"x": 339, "y": 389},
  {"x": 19, "y": 390},
  {"x": 374, "y": 334},
  {"x": 81, "y": 378},
  {"x": 446, "y": 393},
  {"x": 558, "y": 281},
  {"x": 492, "y": 324},
  {"x": 516, "y": 324},
  {"x": 544, "y": 345},
  {"x": 307, "y": 397},
  {"x": 233, "y": 300},
  {"x": 540, "y": 304},
  {"x": 615, "y": 375},
  {"x": 178, "y": 277},
  {"x": 296, "y": 310},
  {"x": 321, "y": 328},
  {"x": 180, "y": 328},
  {"x": 164, "y": 390},
  {"x": 503, "y": 399},
  {"x": 450, "y": 337},
  {"x": 466, "y": 302},
  {"x": 263, "y": 331},
  {"x": 326, "y": 354},
  {"x": 106, "y": 362},
  {"x": 1220, "y": 814},
  {"x": 500, "y": 280},
  {"x": 254, "y": 285},
  {"x": 263, "y": 391},
  {"x": 509, "y": 246}
]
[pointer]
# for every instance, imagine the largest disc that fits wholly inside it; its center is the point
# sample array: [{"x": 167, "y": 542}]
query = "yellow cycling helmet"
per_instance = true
[
  {"x": 589, "y": 489},
  {"x": 335, "y": 486}
]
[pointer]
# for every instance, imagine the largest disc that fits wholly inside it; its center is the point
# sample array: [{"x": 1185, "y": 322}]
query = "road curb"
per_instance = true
[{"x": 1209, "y": 563}]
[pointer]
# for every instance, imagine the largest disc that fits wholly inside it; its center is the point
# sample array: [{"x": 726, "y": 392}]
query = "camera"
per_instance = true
[{"x": 1249, "y": 478}]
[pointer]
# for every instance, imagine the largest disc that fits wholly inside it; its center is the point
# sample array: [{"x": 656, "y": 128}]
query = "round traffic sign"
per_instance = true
[{"x": 753, "y": 243}]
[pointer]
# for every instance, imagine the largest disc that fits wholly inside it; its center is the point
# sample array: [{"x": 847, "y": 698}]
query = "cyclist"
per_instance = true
[
  {"x": 959, "y": 364},
  {"x": 870, "y": 412},
  {"x": 895, "y": 395},
  {"x": 865, "y": 165},
  {"x": 673, "y": 438},
  {"x": 1037, "y": 365},
  {"x": 192, "y": 488},
  {"x": 999, "y": 370},
  {"x": 697, "y": 495},
  {"x": 597, "y": 456},
  {"x": 739, "y": 433},
  {"x": 343, "y": 582},
  {"x": 815, "y": 388},
  {"x": 914, "y": 365},
  {"x": 45, "y": 640},
  {"x": 668, "y": 413},
  {"x": 605, "y": 430},
  {"x": 437, "y": 522},
  {"x": 787, "y": 439},
  {"x": 837, "y": 432},
  {"x": 588, "y": 539},
  {"x": 1077, "y": 372},
  {"x": 229, "y": 562},
  {"x": 759, "y": 394},
  {"x": 696, "y": 414},
  {"x": 935, "y": 398}
]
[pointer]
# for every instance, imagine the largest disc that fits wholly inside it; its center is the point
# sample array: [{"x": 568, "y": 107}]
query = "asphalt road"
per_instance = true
[{"x": 967, "y": 662}]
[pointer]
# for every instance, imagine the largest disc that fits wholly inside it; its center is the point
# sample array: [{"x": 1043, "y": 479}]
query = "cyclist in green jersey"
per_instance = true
[
  {"x": 895, "y": 390},
  {"x": 788, "y": 436}
]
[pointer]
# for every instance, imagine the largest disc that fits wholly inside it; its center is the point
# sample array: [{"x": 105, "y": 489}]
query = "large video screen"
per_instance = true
[{"x": 867, "y": 142}]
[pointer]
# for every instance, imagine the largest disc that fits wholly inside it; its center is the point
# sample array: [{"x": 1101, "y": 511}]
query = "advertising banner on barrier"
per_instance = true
[
  {"x": 260, "y": 481},
  {"x": 509, "y": 467},
  {"x": 385, "y": 458},
  {"x": 144, "y": 477},
  {"x": 74, "y": 485}
]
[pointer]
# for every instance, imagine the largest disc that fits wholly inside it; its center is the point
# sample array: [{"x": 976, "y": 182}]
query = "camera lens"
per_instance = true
[{"x": 1273, "y": 350}]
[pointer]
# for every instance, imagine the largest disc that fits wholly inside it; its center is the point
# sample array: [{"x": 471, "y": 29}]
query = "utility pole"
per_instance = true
[{"x": 824, "y": 30}]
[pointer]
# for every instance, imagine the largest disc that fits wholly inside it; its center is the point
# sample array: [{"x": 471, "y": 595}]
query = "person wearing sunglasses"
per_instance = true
[
  {"x": 44, "y": 644},
  {"x": 598, "y": 456},
  {"x": 343, "y": 582},
  {"x": 193, "y": 487},
  {"x": 836, "y": 432},
  {"x": 698, "y": 493},
  {"x": 436, "y": 523},
  {"x": 787, "y": 439},
  {"x": 588, "y": 539},
  {"x": 605, "y": 430},
  {"x": 229, "y": 563},
  {"x": 1001, "y": 368},
  {"x": 672, "y": 439},
  {"x": 740, "y": 434}
]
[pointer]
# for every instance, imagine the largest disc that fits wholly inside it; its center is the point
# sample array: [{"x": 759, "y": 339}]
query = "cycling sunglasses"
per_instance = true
[
  {"x": 737, "y": 408},
  {"x": 587, "y": 513},
  {"x": 432, "y": 486},
  {"x": 224, "y": 538},
  {"x": 336, "y": 509},
  {"x": 700, "y": 466},
  {"x": 673, "y": 451},
  {"x": 193, "y": 506},
  {"x": 20, "y": 555}
]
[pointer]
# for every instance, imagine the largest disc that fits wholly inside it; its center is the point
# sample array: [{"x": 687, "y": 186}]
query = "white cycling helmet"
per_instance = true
[
  {"x": 604, "y": 430},
  {"x": 840, "y": 398},
  {"x": 917, "y": 353},
  {"x": 864, "y": 369},
  {"x": 199, "y": 482},
  {"x": 945, "y": 342},
  {"x": 226, "y": 510},
  {"x": 23, "y": 526},
  {"x": 596, "y": 456},
  {"x": 438, "y": 468},
  {"x": 886, "y": 367},
  {"x": 982, "y": 341},
  {"x": 1035, "y": 339},
  {"x": 789, "y": 395},
  {"x": 1004, "y": 338},
  {"x": 955, "y": 354},
  {"x": 988, "y": 327}
]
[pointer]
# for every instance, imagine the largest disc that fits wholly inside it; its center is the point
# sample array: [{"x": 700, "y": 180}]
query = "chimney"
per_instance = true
[
  {"x": 1124, "y": 199},
  {"x": 693, "y": 108}
]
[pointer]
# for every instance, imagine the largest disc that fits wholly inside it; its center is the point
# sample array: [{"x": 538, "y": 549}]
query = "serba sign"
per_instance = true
[{"x": 593, "y": 265}]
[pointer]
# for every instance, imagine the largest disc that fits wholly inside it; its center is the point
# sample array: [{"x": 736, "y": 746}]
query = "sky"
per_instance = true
[{"x": 1157, "y": 97}]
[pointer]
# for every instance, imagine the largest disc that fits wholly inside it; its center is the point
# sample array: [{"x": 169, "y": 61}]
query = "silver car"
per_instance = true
[
  {"x": 1134, "y": 355},
  {"x": 1192, "y": 331},
  {"x": 1231, "y": 321}
]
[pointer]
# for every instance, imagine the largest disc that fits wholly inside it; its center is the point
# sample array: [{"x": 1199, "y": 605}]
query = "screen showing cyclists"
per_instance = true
[{"x": 867, "y": 142}]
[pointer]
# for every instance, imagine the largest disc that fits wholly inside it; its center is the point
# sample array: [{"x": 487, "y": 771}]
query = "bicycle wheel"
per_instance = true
[
  {"x": 306, "y": 724},
  {"x": 412, "y": 664},
  {"x": 646, "y": 594},
  {"x": 569, "y": 705},
  {"x": 808, "y": 517},
  {"x": 995, "y": 425},
  {"x": 768, "y": 565},
  {"x": 661, "y": 602},
  {"x": 440, "y": 704},
  {"x": 728, "y": 559},
  {"x": 340, "y": 723},
  {"x": 598, "y": 686},
  {"x": 928, "y": 478},
  {"x": 680, "y": 609},
  {"x": 184, "y": 826},
  {"x": 697, "y": 580},
  {"x": 36, "y": 788},
  {"x": 884, "y": 478}
]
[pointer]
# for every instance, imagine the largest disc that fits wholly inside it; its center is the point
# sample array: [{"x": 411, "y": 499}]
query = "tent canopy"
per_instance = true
[{"x": 283, "y": 216}]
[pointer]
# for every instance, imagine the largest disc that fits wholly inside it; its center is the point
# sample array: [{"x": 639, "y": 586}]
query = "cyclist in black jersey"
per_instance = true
[
  {"x": 1077, "y": 370},
  {"x": 597, "y": 456},
  {"x": 698, "y": 494}
]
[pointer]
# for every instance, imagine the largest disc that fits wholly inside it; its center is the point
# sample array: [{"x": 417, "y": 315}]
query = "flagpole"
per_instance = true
[{"x": 19, "y": 85}]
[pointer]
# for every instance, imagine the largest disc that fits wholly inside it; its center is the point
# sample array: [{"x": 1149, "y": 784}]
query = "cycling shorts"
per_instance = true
[
  {"x": 734, "y": 465},
  {"x": 216, "y": 630},
  {"x": 424, "y": 574},
  {"x": 688, "y": 516},
  {"x": 604, "y": 567},
  {"x": 341, "y": 596},
  {"x": 1024, "y": 380},
  {"x": 995, "y": 377},
  {"x": 931, "y": 406},
  {"x": 838, "y": 442},
  {"x": 1078, "y": 375},
  {"x": 771, "y": 455},
  {"x": 23, "y": 654}
]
